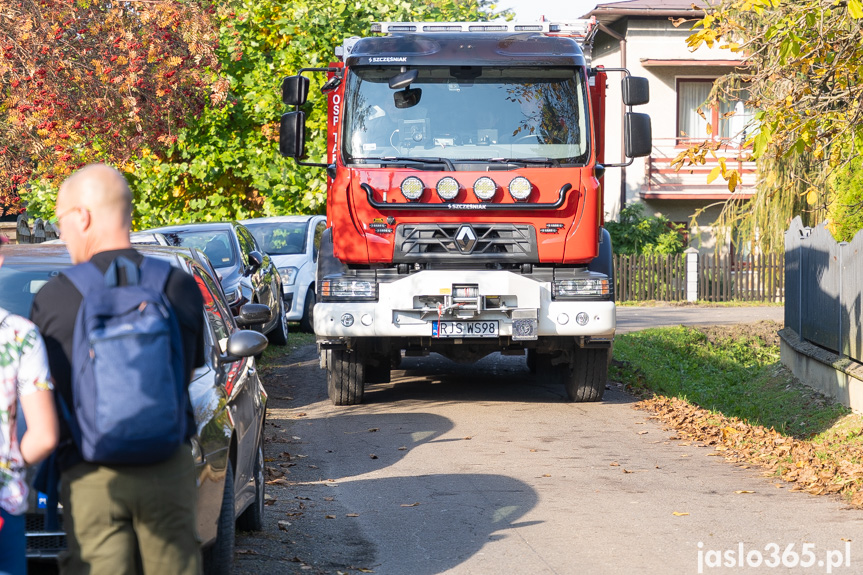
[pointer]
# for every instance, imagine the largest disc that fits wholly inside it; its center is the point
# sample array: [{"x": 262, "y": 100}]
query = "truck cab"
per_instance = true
[{"x": 464, "y": 203}]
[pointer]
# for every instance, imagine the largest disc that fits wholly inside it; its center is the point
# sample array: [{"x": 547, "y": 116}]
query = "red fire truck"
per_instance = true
[{"x": 464, "y": 200}]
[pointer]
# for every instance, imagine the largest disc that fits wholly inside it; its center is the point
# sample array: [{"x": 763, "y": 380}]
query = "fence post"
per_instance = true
[{"x": 691, "y": 274}]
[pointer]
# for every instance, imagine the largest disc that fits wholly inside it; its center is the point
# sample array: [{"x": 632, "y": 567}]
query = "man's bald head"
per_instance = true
[{"x": 95, "y": 206}]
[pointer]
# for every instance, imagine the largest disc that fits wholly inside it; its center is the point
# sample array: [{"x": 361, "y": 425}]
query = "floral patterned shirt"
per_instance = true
[{"x": 23, "y": 370}]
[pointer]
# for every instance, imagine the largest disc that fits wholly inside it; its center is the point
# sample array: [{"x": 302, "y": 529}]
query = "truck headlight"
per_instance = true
[
  {"x": 484, "y": 188},
  {"x": 412, "y": 188},
  {"x": 289, "y": 276},
  {"x": 591, "y": 288},
  {"x": 519, "y": 188},
  {"x": 347, "y": 289},
  {"x": 447, "y": 188}
]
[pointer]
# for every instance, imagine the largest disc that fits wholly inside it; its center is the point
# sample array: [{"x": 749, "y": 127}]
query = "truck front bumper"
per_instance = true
[{"x": 400, "y": 312}]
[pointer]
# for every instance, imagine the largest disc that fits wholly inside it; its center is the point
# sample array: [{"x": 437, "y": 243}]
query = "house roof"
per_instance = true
[{"x": 613, "y": 11}]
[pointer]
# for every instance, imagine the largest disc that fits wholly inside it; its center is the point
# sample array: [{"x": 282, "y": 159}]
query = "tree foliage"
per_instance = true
[
  {"x": 223, "y": 162},
  {"x": 801, "y": 68},
  {"x": 635, "y": 233},
  {"x": 85, "y": 81}
]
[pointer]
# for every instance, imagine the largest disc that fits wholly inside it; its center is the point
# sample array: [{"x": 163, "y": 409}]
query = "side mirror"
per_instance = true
[
  {"x": 253, "y": 314},
  {"x": 256, "y": 260},
  {"x": 636, "y": 91},
  {"x": 407, "y": 98},
  {"x": 292, "y": 135},
  {"x": 637, "y": 135},
  {"x": 244, "y": 343},
  {"x": 295, "y": 89}
]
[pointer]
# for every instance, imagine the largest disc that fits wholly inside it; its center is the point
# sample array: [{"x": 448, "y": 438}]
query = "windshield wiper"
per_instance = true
[
  {"x": 396, "y": 160},
  {"x": 513, "y": 161}
]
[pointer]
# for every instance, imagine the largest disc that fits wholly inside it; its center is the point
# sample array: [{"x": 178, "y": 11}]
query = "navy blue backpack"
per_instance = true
[{"x": 128, "y": 383}]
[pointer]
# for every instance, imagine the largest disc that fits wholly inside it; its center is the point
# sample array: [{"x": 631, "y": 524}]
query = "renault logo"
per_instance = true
[{"x": 465, "y": 238}]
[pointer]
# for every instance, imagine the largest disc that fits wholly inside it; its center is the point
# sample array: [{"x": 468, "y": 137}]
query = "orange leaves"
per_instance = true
[{"x": 94, "y": 79}]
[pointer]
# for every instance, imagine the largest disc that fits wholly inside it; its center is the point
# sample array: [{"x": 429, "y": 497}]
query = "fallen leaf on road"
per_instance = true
[
  {"x": 372, "y": 456},
  {"x": 639, "y": 423},
  {"x": 468, "y": 438},
  {"x": 743, "y": 491},
  {"x": 373, "y": 429},
  {"x": 614, "y": 464},
  {"x": 352, "y": 515},
  {"x": 313, "y": 466},
  {"x": 625, "y": 470},
  {"x": 329, "y": 516},
  {"x": 778, "y": 485},
  {"x": 300, "y": 415},
  {"x": 534, "y": 450},
  {"x": 303, "y": 498},
  {"x": 843, "y": 539},
  {"x": 329, "y": 498},
  {"x": 402, "y": 448},
  {"x": 283, "y": 525},
  {"x": 642, "y": 432},
  {"x": 686, "y": 455},
  {"x": 301, "y": 456},
  {"x": 297, "y": 438},
  {"x": 679, "y": 514},
  {"x": 546, "y": 475},
  {"x": 279, "y": 481},
  {"x": 245, "y": 552},
  {"x": 410, "y": 504}
]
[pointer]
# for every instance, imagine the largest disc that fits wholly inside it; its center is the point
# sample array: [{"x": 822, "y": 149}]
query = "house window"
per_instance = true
[{"x": 695, "y": 112}]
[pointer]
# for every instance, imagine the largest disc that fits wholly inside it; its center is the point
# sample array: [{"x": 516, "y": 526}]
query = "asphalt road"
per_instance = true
[{"x": 485, "y": 469}]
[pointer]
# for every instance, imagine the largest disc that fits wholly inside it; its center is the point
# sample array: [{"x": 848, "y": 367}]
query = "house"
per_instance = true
[{"x": 640, "y": 35}]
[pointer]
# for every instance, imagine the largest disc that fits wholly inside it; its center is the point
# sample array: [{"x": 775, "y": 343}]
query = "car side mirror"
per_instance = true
[
  {"x": 256, "y": 260},
  {"x": 253, "y": 314},
  {"x": 295, "y": 89},
  {"x": 638, "y": 139},
  {"x": 292, "y": 135},
  {"x": 244, "y": 343},
  {"x": 636, "y": 90}
]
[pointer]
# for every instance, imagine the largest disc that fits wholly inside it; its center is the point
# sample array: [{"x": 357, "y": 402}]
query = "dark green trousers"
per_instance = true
[{"x": 131, "y": 519}]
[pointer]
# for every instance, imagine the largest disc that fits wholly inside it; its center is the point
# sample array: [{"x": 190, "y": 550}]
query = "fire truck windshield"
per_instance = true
[{"x": 468, "y": 115}]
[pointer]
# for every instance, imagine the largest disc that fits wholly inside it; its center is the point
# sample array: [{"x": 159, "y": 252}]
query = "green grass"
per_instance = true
[
  {"x": 736, "y": 377},
  {"x": 275, "y": 353}
]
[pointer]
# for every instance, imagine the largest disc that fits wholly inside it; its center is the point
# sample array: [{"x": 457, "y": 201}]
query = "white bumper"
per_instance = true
[{"x": 397, "y": 313}]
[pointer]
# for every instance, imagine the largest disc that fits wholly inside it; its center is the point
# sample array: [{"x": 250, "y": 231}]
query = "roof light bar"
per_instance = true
[{"x": 572, "y": 27}]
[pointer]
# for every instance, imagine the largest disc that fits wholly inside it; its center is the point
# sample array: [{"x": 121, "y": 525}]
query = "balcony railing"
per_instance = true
[{"x": 665, "y": 182}]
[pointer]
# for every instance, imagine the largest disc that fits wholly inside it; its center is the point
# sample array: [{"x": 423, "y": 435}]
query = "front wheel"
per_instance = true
[
  {"x": 307, "y": 324},
  {"x": 345, "y": 377},
  {"x": 252, "y": 519},
  {"x": 279, "y": 334},
  {"x": 586, "y": 375},
  {"x": 219, "y": 557}
]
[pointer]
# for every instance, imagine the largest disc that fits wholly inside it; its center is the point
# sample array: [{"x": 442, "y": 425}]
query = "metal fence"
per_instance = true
[{"x": 825, "y": 288}]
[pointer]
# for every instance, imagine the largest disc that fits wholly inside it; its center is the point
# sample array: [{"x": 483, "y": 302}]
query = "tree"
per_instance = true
[
  {"x": 801, "y": 68},
  {"x": 635, "y": 233},
  {"x": 86, "y": 81},
  {"x": 224, "y": 163}
]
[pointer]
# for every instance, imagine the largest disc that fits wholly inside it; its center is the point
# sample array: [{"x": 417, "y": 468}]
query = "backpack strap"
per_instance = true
[
  {"x": 154, "y": 274},
  {"x": 85, "y": 277}
]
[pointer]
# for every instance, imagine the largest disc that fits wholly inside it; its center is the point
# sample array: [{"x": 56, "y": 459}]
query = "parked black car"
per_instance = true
[
  {"x": 227, "y": 395},
  {"x": 247, "y": 274}
]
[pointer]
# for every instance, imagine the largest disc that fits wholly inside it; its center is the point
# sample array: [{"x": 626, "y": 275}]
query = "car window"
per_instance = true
[
  {"x": 280, "y": 238},
  {"x": 214, "y": 312},
  {"x": 217, "y": 244},
  {"x": 247, "y": 243},
  {"x": 19, "y": 284},
  {"x": 319, "y": 231}
]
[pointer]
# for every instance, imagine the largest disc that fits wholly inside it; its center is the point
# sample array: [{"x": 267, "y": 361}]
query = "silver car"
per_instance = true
[{"x": 292, "y": 243}]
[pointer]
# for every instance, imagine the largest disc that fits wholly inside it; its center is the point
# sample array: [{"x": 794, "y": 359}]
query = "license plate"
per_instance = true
[{"x": 464, "y": 328}]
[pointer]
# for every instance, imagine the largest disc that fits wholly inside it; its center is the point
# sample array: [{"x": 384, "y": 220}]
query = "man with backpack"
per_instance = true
[{"x": 123, "y": 335}]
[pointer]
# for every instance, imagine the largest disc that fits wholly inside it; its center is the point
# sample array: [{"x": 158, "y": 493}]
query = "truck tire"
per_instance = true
[
  {"x": 587, "y": 374},
  {"x": 307, "y": 324},
  {"x": 345, "y": 377},
  {"x": 531, "y": 361}
]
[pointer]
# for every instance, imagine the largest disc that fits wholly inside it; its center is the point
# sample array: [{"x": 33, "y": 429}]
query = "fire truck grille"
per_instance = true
[{"x": 511, "y": 243}]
